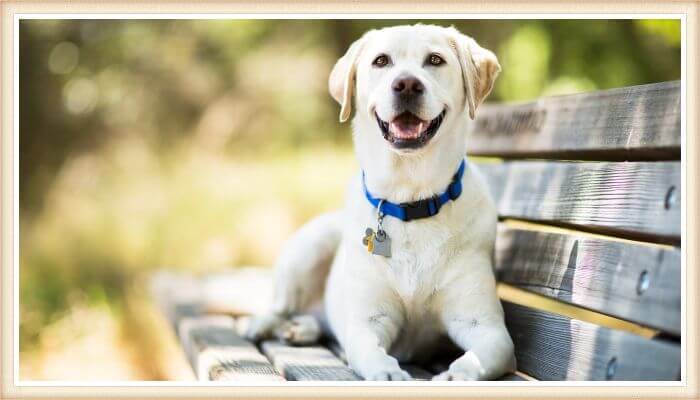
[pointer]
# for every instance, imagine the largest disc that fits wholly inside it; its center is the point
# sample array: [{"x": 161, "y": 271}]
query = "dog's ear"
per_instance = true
[
  {"x": 479, "y": 69},
  {"x": 341, "y": 83}
]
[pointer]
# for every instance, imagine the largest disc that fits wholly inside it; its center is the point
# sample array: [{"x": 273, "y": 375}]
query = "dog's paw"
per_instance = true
[
  {"x": 465, "y": 368},
  {"x": 390, "y": 375},
  {"x": 262, "y": 327},
  {"x": 455, "y": 376},
  {"x": 300, "y": 330},
  {"x": 383, "y": 368}
]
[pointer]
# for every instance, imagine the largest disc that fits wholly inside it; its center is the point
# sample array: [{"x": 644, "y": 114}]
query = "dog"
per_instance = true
[{"x": 408, "y": 260}]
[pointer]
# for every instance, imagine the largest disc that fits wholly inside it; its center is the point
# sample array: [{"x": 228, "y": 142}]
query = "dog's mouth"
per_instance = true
[{"x": 407, "y": 131}]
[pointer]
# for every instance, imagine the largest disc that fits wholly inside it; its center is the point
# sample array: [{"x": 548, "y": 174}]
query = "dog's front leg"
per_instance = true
[
  {"x": 370, "y": 329},
  {"x": 366, "y": 351},
  {"x": 300, "y": 276},
  {"x": 473, "y": 317},
  {"x": 489, "y": 351}
]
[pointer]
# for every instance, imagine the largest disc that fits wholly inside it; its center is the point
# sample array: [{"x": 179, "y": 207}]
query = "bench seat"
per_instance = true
[{"x": 588, "y": 252}]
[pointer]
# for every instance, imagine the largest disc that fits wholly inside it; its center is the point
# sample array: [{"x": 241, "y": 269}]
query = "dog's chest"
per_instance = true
[
  {"x": 418, "y": 256},
  {"x": 421, "y": 253},
  {"x": 417, "y": 262}
]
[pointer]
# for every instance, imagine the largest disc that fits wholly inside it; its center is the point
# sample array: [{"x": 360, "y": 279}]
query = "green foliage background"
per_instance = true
[{"x": 203, "y": 144}]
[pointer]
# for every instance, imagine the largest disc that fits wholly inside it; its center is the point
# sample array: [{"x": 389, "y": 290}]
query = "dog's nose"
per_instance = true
[{"x": 407, "y": 85}]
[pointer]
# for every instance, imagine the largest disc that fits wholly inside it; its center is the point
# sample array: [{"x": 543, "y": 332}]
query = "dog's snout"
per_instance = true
[{"x": 406, "y": 85}]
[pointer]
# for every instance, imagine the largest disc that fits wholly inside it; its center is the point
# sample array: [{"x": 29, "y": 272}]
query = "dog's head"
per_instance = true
[{"x": 411, "y": 81}]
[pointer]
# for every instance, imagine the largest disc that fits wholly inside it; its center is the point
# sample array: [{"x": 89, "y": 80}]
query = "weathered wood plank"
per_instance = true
[
  {"x": 512, "y": 377},
  {"x": 631, "y": 123},
  {"x": 554, "y": 347},
  {"x": 238, "y": 291},
  {"x": 630, "y": 281},
  {"x": 217, "y": 353},
  {"x": 633, "y": 199},
  {"x": 308, "y": 363},
  {"x": 177, "y": 295}
]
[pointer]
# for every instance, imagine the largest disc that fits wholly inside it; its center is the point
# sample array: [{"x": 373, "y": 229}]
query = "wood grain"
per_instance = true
[
  {"x": 626, "y": 280},
  {"x": 554, "y": 347},
  {"x": 307, "y": 363},
  {"x": 217, "y": 353},
  {"x": 639, "y": 200},
  {"x": 631, "y": 123}
]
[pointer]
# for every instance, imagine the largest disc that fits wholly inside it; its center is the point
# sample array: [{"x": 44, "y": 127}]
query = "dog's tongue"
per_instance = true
[{"x": 406, "y": 126}]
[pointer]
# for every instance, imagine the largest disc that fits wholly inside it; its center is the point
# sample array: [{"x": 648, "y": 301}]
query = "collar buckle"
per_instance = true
[{"x": 421, "y": 209}]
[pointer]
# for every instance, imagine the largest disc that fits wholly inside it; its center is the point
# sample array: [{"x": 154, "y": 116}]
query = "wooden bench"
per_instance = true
[{"x": 588, "y": 253}]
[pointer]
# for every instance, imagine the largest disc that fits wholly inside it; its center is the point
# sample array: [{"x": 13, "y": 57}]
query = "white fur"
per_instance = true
[{"x": 439, "y": 279}]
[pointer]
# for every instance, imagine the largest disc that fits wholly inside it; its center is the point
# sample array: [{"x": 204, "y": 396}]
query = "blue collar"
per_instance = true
[{"x": 422, "y": 208}]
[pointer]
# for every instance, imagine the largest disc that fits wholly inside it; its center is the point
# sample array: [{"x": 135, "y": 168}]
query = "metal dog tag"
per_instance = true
[
  {"x": 377, "y": 243},
  {"x": 381, "y": 244},
  {"x": 368, "y": 239}
]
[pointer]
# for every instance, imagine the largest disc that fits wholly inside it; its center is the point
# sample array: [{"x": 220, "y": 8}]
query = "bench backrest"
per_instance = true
[{"x": 589, "y": 194}]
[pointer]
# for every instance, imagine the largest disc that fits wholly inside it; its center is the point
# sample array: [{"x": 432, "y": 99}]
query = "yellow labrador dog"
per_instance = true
[{"x": 409, "y": 257}]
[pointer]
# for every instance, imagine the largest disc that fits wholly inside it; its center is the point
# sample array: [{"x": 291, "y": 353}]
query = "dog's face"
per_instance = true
[{"x": 412, "y": 81}]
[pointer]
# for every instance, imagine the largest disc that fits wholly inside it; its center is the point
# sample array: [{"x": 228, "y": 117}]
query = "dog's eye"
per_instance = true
[
  {"x": 381, "y": 61},
  {"x": 435, "y": 59}
]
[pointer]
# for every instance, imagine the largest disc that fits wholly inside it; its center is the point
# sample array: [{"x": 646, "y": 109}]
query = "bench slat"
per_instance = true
[
  {"x": 631, "y": 123},
  {"x": 307, "y": 363},
  {"x": 626, "y": 280},
  {"x": 554, "y": 347},
  {"x": 217, "y": 353},
  {"x": 512, "y": 377},
  {"x": 638, "y": 200},
  {"x": 177, "y": 295}
]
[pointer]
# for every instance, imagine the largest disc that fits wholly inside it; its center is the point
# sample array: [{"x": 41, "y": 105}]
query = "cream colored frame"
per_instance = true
[{"x": 689, "y": 11}]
